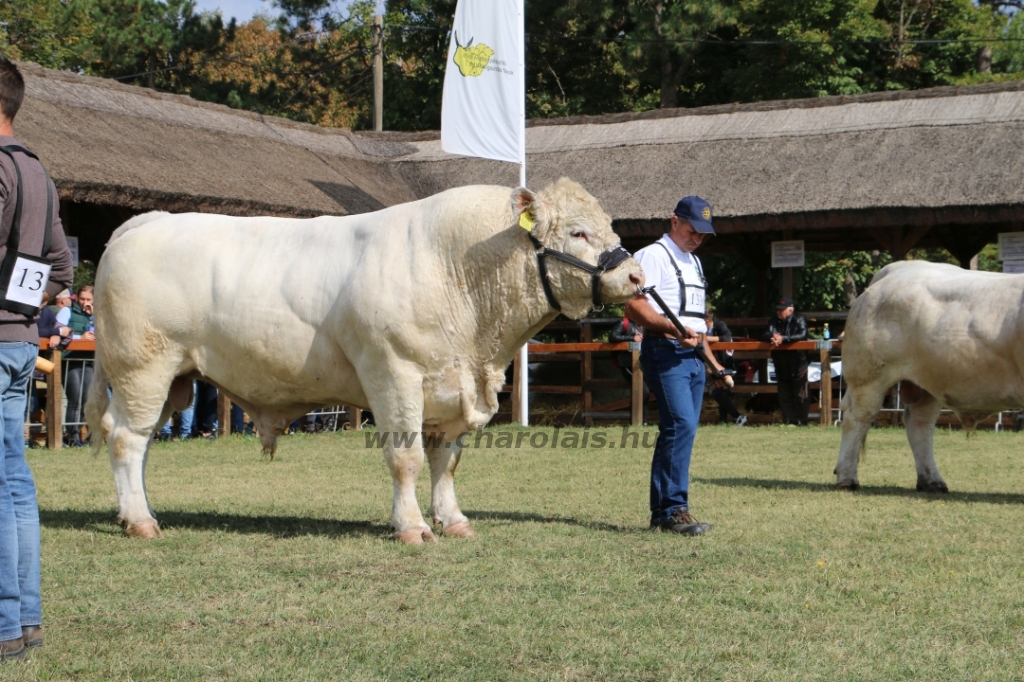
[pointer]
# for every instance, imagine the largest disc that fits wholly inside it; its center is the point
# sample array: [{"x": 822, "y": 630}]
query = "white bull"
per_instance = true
[
  {"x": 413, "y": 312},
  {"x": 954, "y": 337}
]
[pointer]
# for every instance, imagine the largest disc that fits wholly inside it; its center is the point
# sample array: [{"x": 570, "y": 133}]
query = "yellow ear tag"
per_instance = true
[{"x": 525, "y": 221}]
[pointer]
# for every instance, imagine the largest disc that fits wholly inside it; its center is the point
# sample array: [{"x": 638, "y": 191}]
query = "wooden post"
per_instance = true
[
  {"x": 378, "y": 73},
  {"x": 587, "y": 336},
  {"x": 223, "y": 414},
  {"x": 636, "y": 395},
  {"x": 826, "y": 385},
  {"x": 54, "y": 391},
  {"x": 355, "y": 418},
  {"x": 515, "y": 388}
]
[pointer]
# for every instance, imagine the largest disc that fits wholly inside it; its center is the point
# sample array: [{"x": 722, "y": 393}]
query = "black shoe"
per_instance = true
[{"x": 683, "y": 523}]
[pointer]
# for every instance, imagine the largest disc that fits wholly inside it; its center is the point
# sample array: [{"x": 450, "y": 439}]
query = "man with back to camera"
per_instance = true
[
  {"x": 790, "y": 365},
  {"x": 671, "y": 367},
  {"x": 20, "y": 601}
]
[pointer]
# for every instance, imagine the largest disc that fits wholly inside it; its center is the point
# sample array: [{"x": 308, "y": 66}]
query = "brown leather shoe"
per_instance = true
[
  {"x": 11, "y": 649},
  {"x": 32, "y": 635},
  {"x": 683, "y": 523}
]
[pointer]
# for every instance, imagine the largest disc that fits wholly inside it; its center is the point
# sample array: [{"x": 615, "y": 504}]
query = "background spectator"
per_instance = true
[{"x": 76, "y": 369}]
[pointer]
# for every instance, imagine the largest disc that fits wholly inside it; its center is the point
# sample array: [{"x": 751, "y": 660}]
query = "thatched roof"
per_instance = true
[
  {"x": 944, "y": 153},
  {"x": 931, "y": 149},
  {"x": 108, "y": 143}
]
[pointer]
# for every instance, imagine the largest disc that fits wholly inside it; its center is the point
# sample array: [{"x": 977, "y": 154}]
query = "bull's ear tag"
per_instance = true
[{"x": 526, "y": 221}]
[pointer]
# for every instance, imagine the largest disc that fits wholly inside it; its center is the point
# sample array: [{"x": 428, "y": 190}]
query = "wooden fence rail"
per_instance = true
[
  {"x": 582, "y": 352},
  {"x": 743, "y": 349}
]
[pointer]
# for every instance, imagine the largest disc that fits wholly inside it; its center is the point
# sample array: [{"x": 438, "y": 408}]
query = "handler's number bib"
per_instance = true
[
  {"x": 28, "y": 281},
  {"x": 695, "y": 300}
]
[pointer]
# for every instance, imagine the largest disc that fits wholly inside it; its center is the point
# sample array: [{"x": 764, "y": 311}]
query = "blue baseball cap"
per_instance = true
[{"x": 698, "y": 212}]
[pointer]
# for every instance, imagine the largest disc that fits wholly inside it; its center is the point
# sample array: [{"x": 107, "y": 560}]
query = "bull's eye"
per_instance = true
[{"x": 579, "y": 234}]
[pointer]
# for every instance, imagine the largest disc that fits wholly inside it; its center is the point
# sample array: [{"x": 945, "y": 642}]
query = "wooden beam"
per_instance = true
[
  {"x": 636, "y": 395},
  {"x": 587, "y": 372},
  {"x": 54, "y": 414}
]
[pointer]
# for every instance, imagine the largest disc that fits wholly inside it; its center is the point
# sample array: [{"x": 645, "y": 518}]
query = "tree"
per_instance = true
[
  {"x": 812, "y": 48},
  {"x": 47, "y": 32},
  {"x": 147, "y": 42},
  {"x": 666, "y": 39}
]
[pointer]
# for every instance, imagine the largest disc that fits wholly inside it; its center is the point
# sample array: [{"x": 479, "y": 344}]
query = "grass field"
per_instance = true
[{"x": 283, "y": 570}]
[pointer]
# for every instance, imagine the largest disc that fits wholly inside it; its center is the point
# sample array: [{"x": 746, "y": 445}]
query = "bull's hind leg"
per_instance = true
[
  {"x": 920, "y": 413},
  {"x": 443, "y": 452},
  {"x": 860, "y": 405},
  {"x": 132, "y": 424}
]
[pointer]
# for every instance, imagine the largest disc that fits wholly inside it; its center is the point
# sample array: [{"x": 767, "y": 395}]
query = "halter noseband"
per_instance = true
[{"x": 608, "y": 260}]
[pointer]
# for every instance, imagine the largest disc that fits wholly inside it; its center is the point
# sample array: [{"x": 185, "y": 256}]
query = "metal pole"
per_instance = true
[
  {"x": 378, "y": 73},
  {"x": 524, "y": 357}
]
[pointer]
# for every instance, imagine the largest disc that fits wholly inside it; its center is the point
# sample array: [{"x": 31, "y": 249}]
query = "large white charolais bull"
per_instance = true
[
  {"x": 954, "y": 337},
  {"x": 414, "y": 312}
]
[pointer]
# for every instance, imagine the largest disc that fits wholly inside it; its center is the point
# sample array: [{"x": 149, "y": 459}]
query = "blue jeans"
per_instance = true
[
  {"x": 676, "y": 377},
  {"x": 20, "y": 603},
  {"x": 186, "y": 419}
]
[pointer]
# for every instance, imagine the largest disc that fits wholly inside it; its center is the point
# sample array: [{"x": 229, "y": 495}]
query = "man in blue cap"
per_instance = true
[{"x": 671, "y": 367}]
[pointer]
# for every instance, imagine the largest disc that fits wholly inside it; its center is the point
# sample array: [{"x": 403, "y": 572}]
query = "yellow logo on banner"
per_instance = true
[
  {"x": 706, "y": 213},
  {"x": 471, "y": 60},
  {"x": 525, "y": 221}
]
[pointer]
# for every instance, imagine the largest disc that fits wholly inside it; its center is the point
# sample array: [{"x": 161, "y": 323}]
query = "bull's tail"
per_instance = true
[{"x": 97, "y": 404}]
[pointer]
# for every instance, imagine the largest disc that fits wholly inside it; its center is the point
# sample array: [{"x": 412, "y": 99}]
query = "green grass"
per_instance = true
[{"x": 283, "y": 570}]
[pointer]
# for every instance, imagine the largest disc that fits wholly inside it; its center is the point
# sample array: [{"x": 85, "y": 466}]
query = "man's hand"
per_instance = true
[
  {"x": 776, "y": 339},
  {"x": 88, "y": 336},
  {"x": 65, "y": 331},
  {"x": 689, "y": 340}
]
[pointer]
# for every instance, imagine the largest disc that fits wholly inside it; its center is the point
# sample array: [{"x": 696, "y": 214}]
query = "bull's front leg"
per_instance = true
[
  {"x": 404, "y": 454},
  {"x": 444, "y": 453}
]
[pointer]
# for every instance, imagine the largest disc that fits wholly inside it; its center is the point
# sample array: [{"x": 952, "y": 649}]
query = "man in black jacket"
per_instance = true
[{"x": 790, "y": 365}]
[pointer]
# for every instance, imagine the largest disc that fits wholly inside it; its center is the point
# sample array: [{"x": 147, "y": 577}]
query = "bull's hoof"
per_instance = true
[
  {"x": 925, "y": 486},
  {"x": 847, "y": 485},
  {"x": 462, "y": 529},
  {"x": 148, "y": 530},
  {"x": 416, "y": 536}
]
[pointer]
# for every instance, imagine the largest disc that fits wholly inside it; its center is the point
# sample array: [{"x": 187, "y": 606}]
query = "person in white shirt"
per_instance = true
[{"x": 671, "y": 367}]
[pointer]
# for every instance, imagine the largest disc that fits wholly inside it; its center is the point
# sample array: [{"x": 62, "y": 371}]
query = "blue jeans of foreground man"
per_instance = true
[
  {"x": 20, "y": 603},
  {"x": 676, "y": 377}
]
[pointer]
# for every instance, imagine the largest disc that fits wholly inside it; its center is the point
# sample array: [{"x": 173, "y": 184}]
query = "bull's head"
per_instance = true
[{"x": 580, "y": 258}]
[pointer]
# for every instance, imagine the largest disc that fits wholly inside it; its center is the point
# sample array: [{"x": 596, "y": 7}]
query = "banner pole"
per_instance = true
[{"x": 524, "y": 356}]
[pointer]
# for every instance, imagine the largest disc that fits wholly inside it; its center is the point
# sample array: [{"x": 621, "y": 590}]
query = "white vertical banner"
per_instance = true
[{"x": 483, "y": 106}]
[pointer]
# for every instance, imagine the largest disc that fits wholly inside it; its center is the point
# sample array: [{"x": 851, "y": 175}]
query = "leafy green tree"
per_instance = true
[
  {"x": 812, "y": 48},
  {"x": 666, "y": 39},
  {"x": 147, "y": 42},
  {"x": 923, "y": 64},
  {"x": 47, "y": 32}
]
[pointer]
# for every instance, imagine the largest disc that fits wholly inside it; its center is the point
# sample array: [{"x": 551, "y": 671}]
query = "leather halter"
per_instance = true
[{"x": 608, "y": 260}]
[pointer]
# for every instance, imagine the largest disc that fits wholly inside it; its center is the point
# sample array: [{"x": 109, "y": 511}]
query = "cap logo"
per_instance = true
[{"x": 706, "y": 213}]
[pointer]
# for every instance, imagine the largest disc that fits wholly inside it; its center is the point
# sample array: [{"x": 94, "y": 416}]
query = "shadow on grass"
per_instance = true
[
  {"x": 879, "y": 490},
  {"x": 519, "y": 517},
  {"x": 280, "y": 526}
]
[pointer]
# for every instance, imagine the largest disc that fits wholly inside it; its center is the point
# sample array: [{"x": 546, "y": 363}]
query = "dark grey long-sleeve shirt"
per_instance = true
[{"x": 14, "y": 326}]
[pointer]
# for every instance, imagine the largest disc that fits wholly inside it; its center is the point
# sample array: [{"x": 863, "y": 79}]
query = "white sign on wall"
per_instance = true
[
  {"x": 1011, "y": 246},
  {"x": 73, "y": 245},
  {"x": 1013, "y": 267},
  {"x": 788, "y": 254}
]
